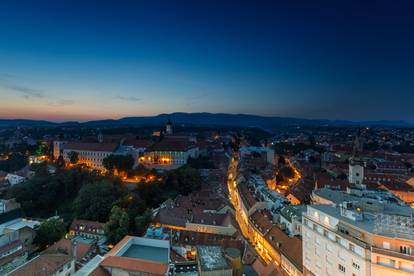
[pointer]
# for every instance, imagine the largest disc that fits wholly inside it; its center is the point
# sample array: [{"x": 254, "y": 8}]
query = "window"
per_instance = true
[
  {"x": 405, "y": 249},
  {"x": 319, "y": 229},
  {"x": 329, "y": 260},
  {"x": 329, "y": 248},
  {"x": 355, "y": 265},
  {"x": 341, "y": 268}
]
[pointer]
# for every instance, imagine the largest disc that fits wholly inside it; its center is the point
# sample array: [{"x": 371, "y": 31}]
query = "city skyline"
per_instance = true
[{"x": 102, "y": 59}]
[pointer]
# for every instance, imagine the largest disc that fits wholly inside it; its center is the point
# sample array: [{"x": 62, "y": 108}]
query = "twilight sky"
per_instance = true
[{"x": 82, "y": 60}]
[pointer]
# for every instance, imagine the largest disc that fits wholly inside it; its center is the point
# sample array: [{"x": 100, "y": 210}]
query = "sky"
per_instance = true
[{"x": 86, "y": 60}]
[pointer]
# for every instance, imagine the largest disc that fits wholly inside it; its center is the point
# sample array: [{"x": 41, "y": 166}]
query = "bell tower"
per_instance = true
[
  {"x": 168, "y": 127},
  {"x": 356, "y": 165}
]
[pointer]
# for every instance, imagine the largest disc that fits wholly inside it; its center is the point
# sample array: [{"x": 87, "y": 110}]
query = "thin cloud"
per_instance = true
[
  {"x": 27, "y": 92},
  {"x": 128, "y": 99},
  {"x": 61, "y": 102},
  {"x": 197, "y": 97}
]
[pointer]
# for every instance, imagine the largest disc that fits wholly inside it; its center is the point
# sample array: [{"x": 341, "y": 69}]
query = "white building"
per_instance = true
[
  {"x": 170, "y": 153},
  {"x": 90, "y": 154},
  {"x": 356, "y": 172},
  {"x": 132, "y": 256},
  {"x": 14, "y": 179},
  {"x": 347, "y": 240},
  {"x": 291, "y": 219}
]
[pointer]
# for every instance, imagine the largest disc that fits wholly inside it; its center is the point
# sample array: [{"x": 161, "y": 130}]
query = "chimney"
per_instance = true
[{"x": 74, "y": 248}]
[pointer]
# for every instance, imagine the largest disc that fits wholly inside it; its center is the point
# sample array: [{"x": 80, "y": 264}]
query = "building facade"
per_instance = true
[{"x": 346, "y": 240}]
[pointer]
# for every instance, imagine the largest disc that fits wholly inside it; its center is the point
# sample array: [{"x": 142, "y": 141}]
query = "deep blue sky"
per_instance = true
[{"x": 65, "y": 60}]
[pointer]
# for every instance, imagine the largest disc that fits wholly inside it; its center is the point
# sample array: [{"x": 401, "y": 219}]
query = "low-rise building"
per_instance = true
[
  {"x": 170, "y": 153},
  {"x": 212, "y": 261},
  {"x": 87, "y": 229},
  {"x": 8, "y": 205},
  {"x": 267, "y": 154},
  {"x": 14, "y": 179},
  {"x": 16, "y": 237},
  {"x": 132, "y": 256},
  {"x": 53, "y": 264},
  {"x": 90, "y": 154},
  {"x": 291, "y": 219}
]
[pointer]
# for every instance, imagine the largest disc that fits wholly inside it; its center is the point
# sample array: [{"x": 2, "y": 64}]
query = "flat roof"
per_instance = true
[
  {"x": 156, "y": 254},
  {"x": 368, "y": 222},
  {"x": 212, "y": 258}
]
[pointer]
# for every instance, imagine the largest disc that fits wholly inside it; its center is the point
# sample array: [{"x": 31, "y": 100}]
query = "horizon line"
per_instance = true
[{"x": 80, "y": 121}]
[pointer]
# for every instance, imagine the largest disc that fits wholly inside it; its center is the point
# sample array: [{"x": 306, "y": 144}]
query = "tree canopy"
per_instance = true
[
  {"x": 121, "y": 163},
  {"x": 73, "y": 157},
  {"x": 44, "y": 194},
  {"x": 117, "y": 226},
  {"x": 50, "y": 232},
  {"x": 184, "y": 180},
  {"x": 94, "y": 201}
]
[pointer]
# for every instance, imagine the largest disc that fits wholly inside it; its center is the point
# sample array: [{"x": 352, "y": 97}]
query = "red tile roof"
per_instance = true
[
  {"x": 137, "y": 143},
  {"x": 291, "y": 248},
  {"x": 261, "y": 219},
  {"x": 43, "y": 265},
  {"x": 248, "y": 197},
  {"x": 106, "y": 147},
  {"x": 66, "y": 246},
  {"x": 173, "y": 144},
  {"x": 137, "y": 265},
  {"x": 99, "y": 271},
  {"x": 88, "y": 225}
]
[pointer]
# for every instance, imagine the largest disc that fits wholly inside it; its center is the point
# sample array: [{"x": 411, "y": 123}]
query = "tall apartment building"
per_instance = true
[{"x": 346, "y": 239}]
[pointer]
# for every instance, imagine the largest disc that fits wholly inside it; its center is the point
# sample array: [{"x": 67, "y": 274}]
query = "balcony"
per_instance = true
[{"x": 391, "y": 253}]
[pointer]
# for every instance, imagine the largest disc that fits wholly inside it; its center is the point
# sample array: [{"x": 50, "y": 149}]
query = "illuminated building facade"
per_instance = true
[
  {"x": 90, "y": 154},
  {"x": 169, "y": 153},
  {"x": 345, "y": 240}
]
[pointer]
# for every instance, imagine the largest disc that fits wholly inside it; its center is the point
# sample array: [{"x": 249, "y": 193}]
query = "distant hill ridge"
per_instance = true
[{"x": 208, "y": 119}]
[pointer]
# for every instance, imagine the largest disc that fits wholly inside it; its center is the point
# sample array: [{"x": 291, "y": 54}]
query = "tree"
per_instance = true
[
  {"x": 50, "y": 232},
  {"x": 184, "y": 180},
  {"x": 117, "y": 226},
  {"x": 60, "y": 162},
  {"x": 133, "y": 205},
  {"x": 94, "y": 201},
  {"x": 15, "y": 162},
  {"x": 122, "y": 163},
  {"x": 73, "y": 157},
  {"x": 141, "y": 222},
  {"x": 202, "y": 162},
  {"x": 287, "y": 172}
]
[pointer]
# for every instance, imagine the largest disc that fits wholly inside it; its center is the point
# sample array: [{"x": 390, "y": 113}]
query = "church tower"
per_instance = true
[
  {"x": 100, "y": 137},
  {"x": 168, "y": 127},
  {"x": 356, "y": 165}
]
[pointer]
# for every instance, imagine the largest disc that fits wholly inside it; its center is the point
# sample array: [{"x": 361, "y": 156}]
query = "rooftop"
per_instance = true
[
  {"x": 172, "y": 144},
  {"x": 138, "y": 265},
  {"x": 211, "y": 258},
  {"x": 106, "y": 147},
  {"x": 65, "y": 246},
  {"x": 42, "y": 265},
  {"x": 151, "y": 253},
  {"x": 375, "y": 223},
  {"x": 291, "y": 211}
]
